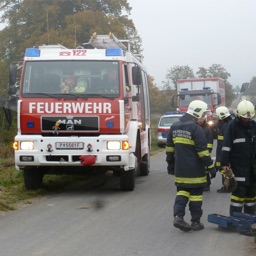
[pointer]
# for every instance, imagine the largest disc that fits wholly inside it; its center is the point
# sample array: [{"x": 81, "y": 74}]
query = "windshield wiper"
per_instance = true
[
  {"x": 101, "y": 96},
  {"x": 75, "y": 96},
  {"x": 44, "y": 94}
]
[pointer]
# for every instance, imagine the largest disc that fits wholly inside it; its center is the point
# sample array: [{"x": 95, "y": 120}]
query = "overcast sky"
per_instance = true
[{"x": 197, "y": 33}]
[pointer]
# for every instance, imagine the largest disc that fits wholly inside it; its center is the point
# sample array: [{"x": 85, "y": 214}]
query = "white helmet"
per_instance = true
[
  {"x": 197, "y": 108},
  {"x": 222, "y": 112},
  {"x": 245, "y": 109}
]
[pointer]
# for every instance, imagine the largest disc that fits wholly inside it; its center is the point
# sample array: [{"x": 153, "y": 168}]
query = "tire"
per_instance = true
[
  {"x": 145, "y": 165},
  {"x": 127, "y": 180},
  {"x": 33, "y": 178}
]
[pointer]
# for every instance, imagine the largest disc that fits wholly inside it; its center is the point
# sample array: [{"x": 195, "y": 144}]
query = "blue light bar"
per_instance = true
[
  {"x": 114, "y": 52},
  {"x": 184, "y": 89},
  {"x": 32, "y": 52}
]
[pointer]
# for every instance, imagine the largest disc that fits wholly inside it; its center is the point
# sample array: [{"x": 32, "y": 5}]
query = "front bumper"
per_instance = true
[{"x": 46, "y": 153}]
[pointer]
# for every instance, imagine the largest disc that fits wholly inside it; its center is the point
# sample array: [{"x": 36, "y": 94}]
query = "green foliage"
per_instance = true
[
  {"x": 215, "y": 70},
  {"x": 179, "y": 72},
  {"x": 70, "y": 23}
]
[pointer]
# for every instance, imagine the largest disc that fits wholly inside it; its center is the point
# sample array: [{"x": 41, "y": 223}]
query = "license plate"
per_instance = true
[{"x": 69, "y": 145}]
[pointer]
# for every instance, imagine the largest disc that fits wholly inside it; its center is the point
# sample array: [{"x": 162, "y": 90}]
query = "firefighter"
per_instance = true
[
  {"x": 209, "y": 138},
  {"x": 111, "y": 80},
  {"x": 187, "y": 157},
  {"x": 224, "y": 118},
  {"x": 238, "y": 152}
]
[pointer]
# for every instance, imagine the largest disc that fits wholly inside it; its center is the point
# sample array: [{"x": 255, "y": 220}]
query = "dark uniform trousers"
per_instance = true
[
  {"x": 195, "y": 198},
  {"x": 243, "y": 198}
]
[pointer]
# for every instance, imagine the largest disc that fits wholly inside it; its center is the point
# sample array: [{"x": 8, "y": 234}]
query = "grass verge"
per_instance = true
[{"x": 13, "y": 192}]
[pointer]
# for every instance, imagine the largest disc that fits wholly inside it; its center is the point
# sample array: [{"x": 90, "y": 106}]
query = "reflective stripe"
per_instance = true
[
  {"x": 236, "y": 204},
  {"x": 198, "y": 180},
  {"x": 240, "y": 178},
  {"x": 220, "y": 137},
  {"x": 226, "y": 149},
  {"x": 169, "y": 149},
  {"x": 217, "y": 164},
  {"x": 249, "y": 204},
  {"x": 183, "y": 193},
  {"x": 209, "y": 145},
  {"x": 252, "y": 199},
  {"x": 196, "y": 198},
  {"x": 210, "y": 166},
  {"x": 236, "y": 198},
  {"x": 183, "y": 141},
  {"x": 203, "y": 153},
  {"x": 239, "y": 140}
]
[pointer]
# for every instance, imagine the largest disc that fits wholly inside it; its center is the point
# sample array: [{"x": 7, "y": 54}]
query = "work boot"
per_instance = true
[
  {"x": 197, "y": 225},
  {"x": 179, "y": 222},
  {"x": 221, "y": 190}
]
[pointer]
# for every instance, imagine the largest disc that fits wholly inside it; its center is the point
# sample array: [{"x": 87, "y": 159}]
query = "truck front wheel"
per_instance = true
[
  {"x": 127, "y": 180},
  {"x": 145, "y": 165},
  {"x": 33, "y": 177}
]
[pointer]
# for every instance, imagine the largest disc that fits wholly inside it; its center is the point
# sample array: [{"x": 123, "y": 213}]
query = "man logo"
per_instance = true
[{"x": 70, "y": 127}]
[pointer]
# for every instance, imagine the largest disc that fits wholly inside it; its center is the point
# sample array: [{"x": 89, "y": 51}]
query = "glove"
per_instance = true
[
  {"x": 212, "y": 172},
  {"x": 170, "y": 169},
  {"x": 229, "y": 184}
]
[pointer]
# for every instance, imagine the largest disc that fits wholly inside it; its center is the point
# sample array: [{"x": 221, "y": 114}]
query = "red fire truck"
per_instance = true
[
  {"x": 73, "y": 119},
  {"x": 211, "y": 90}
]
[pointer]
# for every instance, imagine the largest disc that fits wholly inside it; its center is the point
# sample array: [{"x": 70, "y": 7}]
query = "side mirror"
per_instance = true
[
  {"x": 13, "y": 86},
  {"x": 136, "y": 75},
  {"x": 12, "y": 74},
  {"x": 136, "y": 98},
  {"x": 219, "y": 98}
]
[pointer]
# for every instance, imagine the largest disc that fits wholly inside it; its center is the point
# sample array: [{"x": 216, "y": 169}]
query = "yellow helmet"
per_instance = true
[
  {"x": 197, "y": 108},
  {"x": 222, "y": 112},
  {"x": 245, "y": 109}
]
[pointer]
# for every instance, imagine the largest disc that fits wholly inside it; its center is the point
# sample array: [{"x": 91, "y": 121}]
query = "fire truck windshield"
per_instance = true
[
  {"x": 70, "y": 77},
  {"x": 186, "y": 99}
]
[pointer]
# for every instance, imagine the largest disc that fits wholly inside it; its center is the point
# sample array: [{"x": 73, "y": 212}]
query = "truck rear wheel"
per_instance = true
[
  {"x": 145, "y": 165},
  {"x": 127, "y": 180},
  {"x": 33, "y": 177}
]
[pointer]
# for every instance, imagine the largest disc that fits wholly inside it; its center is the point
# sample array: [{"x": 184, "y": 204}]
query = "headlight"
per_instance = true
[
  {"x": 114, "y": 145},
  {"x": 118, "y": 145},
  {"x": 26, "y": 145},
  {"x": 211, "y": 123}
]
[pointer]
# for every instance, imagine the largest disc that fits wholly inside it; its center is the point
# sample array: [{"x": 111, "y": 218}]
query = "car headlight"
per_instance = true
[
  {"x": 211, "y": 123},
  {"x": 26, "y": 145}
]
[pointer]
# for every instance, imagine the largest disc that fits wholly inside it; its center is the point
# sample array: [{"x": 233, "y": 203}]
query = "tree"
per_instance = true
[
  {"x": 71, "y": 23},
  {"x": 202, "y": 72},
  {"x": 216, "y": 70},
  {"x": 179, "y": 72},
  {"x": 229, "y": 93}
]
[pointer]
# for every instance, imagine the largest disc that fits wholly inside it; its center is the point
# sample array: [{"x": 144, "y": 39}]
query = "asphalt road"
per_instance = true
[{"x": 101, "y": 220}]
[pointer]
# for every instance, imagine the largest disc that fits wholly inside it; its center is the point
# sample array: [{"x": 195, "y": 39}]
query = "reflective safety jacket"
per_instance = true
[
  {"x": 209, "y": 137},
  {"x": 222, "y": 128},
  {"x": 239, "y": 150},
  {"x": 186, "y": 147}
]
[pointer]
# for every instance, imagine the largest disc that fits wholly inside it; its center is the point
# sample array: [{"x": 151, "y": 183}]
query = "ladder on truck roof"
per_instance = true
[{"x": 107, "y": 41}]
